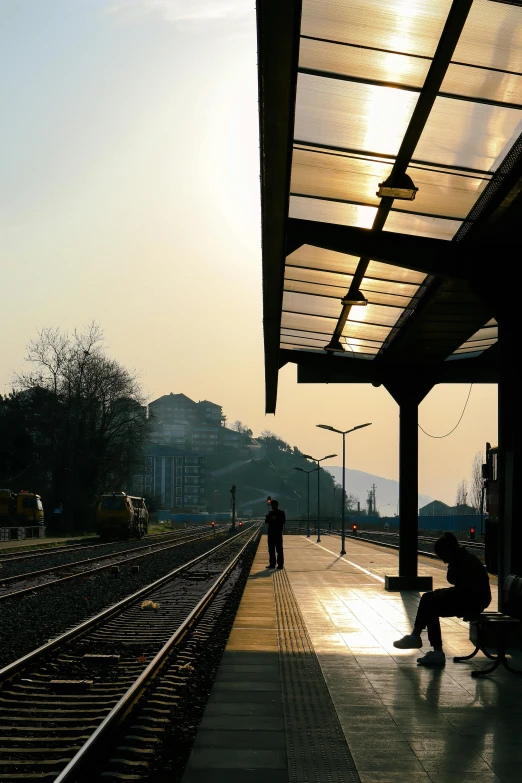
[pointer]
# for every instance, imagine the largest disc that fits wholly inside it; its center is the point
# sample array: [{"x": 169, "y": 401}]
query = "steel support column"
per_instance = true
[
  {"x": 408, "y": 399},
  {"x": 509, "y": 458}
]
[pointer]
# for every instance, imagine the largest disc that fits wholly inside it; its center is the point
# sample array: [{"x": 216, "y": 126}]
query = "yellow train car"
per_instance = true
[
  {"x": 121, "y": 516},
  {"x": 20, "y": 508}
]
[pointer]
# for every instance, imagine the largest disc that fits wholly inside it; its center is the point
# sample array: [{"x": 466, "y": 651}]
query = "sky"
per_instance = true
[{"x": 130, "y": 196}]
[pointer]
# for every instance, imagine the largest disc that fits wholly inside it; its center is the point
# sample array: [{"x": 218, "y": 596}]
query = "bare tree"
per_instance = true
[
  {"x": 351, "y": 502},
  {"x": 477, "y": 481},
  {"x": 462, "y": 493},
  {"x": 243, "y": 429},
  {"x": 101, "y": 424}
]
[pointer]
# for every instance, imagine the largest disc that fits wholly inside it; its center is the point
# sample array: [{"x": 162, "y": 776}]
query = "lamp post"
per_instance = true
[
  {"x": 343, "y": 433},
  {"x": 301, "y": 470},
  {"x": 329, "y": 456}
]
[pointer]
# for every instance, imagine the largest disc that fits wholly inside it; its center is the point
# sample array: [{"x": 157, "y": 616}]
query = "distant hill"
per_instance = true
[{"x": 358, "y": 483}]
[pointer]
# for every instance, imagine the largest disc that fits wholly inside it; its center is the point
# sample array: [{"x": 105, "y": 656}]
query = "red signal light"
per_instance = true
[
  {"x": 213, "y": 524},
  {"x": 472, "y": 534},
  {"x": 354, "y": 528},
  {"x": 268, "y": 500}
]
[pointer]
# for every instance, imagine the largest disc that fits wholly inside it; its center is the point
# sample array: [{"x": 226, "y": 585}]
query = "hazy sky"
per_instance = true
[{"x": 129, "y": 195}]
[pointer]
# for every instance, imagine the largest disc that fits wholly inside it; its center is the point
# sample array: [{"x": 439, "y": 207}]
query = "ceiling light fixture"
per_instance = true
[
  {"x": 398, "y": 186},
  {"x": 355, "y": 298}
]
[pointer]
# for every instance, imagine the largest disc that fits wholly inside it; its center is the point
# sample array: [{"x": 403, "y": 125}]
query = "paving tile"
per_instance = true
[
  {"x": 240, "y": 740},
  {"x": 393, "y": 777}
]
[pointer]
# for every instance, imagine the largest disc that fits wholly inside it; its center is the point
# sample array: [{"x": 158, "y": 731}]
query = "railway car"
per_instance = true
[
  {"x": 20, "y": 508},
  {"x": 490, "y": 477},
  {"x": 121, "y": 516}
]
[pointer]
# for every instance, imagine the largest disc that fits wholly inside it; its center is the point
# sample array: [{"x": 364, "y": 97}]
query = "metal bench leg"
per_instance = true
[
  {"x": 483, "y": 672},
  {"x": 459, "y": 658},
  {"x": 510, "y": 668}
]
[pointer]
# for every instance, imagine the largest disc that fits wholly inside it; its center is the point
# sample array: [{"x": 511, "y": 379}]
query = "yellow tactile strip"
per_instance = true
[{"x": 316, "y": 746}]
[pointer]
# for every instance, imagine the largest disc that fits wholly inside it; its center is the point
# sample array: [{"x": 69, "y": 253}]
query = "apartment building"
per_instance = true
[{"x": 174, "y": 478}]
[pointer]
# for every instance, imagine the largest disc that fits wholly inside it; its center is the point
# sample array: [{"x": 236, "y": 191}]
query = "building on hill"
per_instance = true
[
  {"x": 179, "y": 421},
  {"x": 175, "y": 479},
  {"x": 210, "y": 413}
]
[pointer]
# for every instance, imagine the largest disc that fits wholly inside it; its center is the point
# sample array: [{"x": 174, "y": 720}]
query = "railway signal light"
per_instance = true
[
  {"x": 268, "y": 500},
  {"x": 472, "y": 534},
  {"x": 354, "y": 529},
  {"x": 240, "y": 524},
  {"x": 212, "y": 524}
]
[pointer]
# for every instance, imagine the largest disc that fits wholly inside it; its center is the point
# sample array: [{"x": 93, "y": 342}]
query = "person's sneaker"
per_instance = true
[
  {"x": 433, "y": 658},
  {"x": 270, "y": 566},
  {"x": 408, "y": 642},
  {"x": 280, "y": 567}
]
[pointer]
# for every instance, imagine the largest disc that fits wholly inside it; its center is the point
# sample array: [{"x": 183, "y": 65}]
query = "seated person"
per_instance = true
[{"x": 470, "y": 594}]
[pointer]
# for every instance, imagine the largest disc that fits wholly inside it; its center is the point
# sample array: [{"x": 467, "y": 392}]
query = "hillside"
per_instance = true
[{"x": 358, "y": 483}]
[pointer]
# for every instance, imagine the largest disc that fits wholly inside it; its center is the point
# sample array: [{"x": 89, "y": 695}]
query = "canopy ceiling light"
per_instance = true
[
  {"x": 334, "y": 345},
  {"x": 398, "y": 186},
  {"x": 355, "y": 298}
]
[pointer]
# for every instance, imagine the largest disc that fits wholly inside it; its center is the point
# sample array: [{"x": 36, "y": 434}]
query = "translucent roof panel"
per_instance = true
[
  {"x": 481, "y": 83},
  {"x": 421, "y": 226},
  {"x": 315, "y": 305},
  {"x": 314, "y": 277},
  {"x": 481, "y": 340},
  {"x": 312, "y": 336},
  {"x": 388, "y": 299},
  {"x": 381, "y": 271},
  {"x": 357, "y": 62},
  {"x": 331, "y": 212},
  {"x": 337, "y": 176},
  {"x": 462, "y": 133},
  {"x": 365, "y": 331},
  {"x": 389, "y": 67},
  {"x": 352, "y": 115},
  {"x": 330, "y": 267},
  {"x": 353, "y": 329},
  {"x": 492, "y": 36},
  {"x": 412, "y": 26},
  {"x": 323, "y": 260}
]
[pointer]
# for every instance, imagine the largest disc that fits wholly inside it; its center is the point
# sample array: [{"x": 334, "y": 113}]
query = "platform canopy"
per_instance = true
[{"x": 406, "y": 98}]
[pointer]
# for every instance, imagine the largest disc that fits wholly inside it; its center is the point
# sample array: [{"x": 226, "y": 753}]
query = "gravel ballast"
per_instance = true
[{"x": 28, "y": 622}]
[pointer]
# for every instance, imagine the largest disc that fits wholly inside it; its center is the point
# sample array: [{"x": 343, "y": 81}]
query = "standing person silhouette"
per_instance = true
[{"x": 275, "y": 519}]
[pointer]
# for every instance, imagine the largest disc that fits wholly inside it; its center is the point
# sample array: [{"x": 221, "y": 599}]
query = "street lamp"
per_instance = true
[
  {"x": 343, "y": 433},
  {"x": 329, "y": 456},
  {"x": 301, "y": 470}
]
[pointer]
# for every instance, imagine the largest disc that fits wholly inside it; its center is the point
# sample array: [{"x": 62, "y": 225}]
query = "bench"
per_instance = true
[{"x": 497, "y": 630}]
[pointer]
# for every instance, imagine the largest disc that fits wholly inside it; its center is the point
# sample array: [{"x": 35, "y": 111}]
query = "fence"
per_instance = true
[
  {"x": 456, "y": 523},
  {"x": 166, "y": 516},
  {"x": 21, "y": 533}
]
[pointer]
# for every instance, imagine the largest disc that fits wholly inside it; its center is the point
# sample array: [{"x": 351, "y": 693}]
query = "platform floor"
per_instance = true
[{"x": 310, "y": 687}]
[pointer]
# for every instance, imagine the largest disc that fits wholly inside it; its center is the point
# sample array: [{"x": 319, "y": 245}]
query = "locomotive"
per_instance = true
[{"x": 121, "y": 516}]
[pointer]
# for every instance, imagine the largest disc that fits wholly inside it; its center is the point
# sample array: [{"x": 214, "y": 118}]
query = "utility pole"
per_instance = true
[{"x": 233, "y": 493}]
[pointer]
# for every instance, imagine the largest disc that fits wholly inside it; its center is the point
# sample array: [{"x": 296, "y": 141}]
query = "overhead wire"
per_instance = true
[{"x": 456, "y": 425}]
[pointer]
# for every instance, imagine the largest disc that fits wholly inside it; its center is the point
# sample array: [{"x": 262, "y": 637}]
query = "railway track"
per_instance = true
[
  {"x": 47, "y": 577},
  {"x": 16, "y": 557},
  {"x": 90, "y": 704},
  {"x": 390, "y": 540}
]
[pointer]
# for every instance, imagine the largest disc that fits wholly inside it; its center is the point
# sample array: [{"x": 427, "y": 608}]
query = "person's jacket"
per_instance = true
[
  {"x": 275, "y": 521},
  {"x": 467, "y": 573}
]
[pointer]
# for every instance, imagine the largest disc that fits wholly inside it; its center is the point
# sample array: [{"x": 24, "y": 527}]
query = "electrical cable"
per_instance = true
[
  {"x": 8, "y": 480},
  {"x": 456, "y": 425}
]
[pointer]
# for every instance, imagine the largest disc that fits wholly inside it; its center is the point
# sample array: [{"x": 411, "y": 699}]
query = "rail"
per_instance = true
[
  {"x": 116, "y": 558},
  {"x": 35, "y": 694}
]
